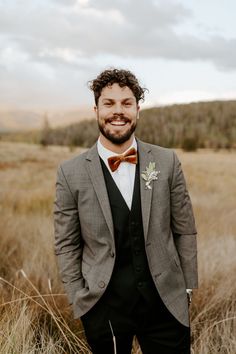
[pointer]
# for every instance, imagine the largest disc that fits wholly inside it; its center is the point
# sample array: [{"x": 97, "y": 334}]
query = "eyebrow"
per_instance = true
[{"x": 112, "y": 100}]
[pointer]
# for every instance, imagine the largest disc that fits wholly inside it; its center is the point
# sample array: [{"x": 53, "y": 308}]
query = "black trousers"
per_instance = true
[{"x": 157, "y": 331}]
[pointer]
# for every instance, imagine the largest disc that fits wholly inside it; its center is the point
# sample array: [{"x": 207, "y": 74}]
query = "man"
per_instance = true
[{"x": 125, "y": 232}]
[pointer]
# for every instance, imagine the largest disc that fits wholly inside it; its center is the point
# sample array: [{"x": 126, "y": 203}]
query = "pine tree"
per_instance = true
[{"x": 45, "y": 136}]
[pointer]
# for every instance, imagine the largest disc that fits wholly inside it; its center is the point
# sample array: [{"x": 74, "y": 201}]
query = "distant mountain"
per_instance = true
[
  {"x": 19, "y": 120},
  {"x": 22, "y": 120}
]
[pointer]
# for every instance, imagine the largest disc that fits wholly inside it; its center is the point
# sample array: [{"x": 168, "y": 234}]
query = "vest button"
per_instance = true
[
  {"x": 101, "y": 284},
  {"x": 140, "y": 284},
  {"x": 138, "y": 269}
]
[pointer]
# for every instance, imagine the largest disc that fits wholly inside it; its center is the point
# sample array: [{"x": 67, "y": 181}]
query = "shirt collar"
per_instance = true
[{"x": 104, "y": 153}]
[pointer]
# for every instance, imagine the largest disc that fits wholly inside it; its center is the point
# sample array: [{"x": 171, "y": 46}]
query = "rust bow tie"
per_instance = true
[{"x": 130, "y": 156}]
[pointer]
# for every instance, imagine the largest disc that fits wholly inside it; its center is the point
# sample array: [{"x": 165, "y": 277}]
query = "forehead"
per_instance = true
[{"x": 116, "y": 92}]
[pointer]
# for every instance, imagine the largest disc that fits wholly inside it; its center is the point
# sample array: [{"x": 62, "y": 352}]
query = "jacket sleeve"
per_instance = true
[
  {"x": 183, "y": 226},
  {"x": 68, "y": 243}
]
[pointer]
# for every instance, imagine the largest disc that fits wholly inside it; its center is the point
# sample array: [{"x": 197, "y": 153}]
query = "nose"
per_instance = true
[{"x": 117, "y": 109}]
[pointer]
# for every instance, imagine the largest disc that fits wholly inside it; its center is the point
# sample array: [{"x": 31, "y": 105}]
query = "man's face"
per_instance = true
[{"x": 117, "y": 113}]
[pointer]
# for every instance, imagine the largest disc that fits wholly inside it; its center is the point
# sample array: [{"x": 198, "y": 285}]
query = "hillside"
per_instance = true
[
  {"x": 187, "y": 126},
  {"x": 13, "y": 120}
]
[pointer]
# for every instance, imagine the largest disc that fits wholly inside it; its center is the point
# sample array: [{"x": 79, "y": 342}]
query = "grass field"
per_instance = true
[{"x": 34, "y": 314}]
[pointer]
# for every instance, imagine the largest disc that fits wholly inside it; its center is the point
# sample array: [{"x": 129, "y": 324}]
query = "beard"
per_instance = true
[{"x": 117, "y": 138}]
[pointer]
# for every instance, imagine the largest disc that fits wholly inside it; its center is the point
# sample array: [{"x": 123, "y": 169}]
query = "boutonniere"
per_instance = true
[{"x": 150, "y": 174}]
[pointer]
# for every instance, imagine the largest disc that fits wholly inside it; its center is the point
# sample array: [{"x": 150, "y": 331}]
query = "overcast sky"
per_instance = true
[{"x": 181, "y": 51}]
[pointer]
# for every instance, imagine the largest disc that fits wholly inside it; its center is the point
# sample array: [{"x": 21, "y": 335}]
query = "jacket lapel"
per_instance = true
[
  {"x": 96, "y": 174},
  {"x": 145, "y": 156}
]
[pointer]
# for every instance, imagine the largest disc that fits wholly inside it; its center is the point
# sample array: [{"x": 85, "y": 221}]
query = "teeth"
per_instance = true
[{"x": 117, "y": 122}]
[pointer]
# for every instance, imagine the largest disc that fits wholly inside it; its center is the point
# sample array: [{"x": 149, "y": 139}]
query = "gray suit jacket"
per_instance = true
[{"x": 84, "y": 235}]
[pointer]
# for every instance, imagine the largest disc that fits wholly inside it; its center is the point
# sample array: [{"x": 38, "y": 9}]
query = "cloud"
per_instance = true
[
  {"x": 71, "y": 32},
  {"x": 49, "y": 46}
]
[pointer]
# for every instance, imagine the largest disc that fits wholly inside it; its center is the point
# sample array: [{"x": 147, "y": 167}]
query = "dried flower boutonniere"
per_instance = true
[{"x": 150, "y": 174}]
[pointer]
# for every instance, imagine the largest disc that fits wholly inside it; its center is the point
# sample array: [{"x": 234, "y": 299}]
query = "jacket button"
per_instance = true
[{"x": 101, "y": 284}]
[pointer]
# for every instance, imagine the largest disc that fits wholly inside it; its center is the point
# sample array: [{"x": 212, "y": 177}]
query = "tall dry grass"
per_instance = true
[{"x": 34, "y": 314}]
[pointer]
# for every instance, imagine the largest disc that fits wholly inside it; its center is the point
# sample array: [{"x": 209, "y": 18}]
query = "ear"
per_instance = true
[
  {"x": 138, "y": 109},
  {"x": 95, "y": 109}
]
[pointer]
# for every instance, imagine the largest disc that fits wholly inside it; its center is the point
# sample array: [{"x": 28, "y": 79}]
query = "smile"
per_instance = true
[{"x": 118, "y": 122}]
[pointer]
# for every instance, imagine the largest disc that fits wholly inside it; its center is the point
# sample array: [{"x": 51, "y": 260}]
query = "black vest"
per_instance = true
[{"x": 131, "y": 276}]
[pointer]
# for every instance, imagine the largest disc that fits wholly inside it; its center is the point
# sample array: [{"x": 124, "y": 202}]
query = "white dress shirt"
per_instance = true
[{"x": 124, "y": 175}]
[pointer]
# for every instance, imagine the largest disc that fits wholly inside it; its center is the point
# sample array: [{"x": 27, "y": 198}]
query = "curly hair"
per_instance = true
[{"x": 122, "y": 77}]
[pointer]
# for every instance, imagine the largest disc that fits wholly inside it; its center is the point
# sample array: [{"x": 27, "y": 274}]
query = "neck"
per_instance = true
[{"x": 118, "y": 149}]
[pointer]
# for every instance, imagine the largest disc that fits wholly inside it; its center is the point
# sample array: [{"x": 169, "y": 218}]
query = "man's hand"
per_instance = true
[{"x": 189, "y": 295}]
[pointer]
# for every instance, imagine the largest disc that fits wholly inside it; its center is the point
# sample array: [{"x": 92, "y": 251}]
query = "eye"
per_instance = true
[
  {"x": 127, "y": 104},
  {"x": 107, "y": 104}
]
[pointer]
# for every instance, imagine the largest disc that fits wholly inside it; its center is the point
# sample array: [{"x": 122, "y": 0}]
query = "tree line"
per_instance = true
[{"x": 187, "y": 126}]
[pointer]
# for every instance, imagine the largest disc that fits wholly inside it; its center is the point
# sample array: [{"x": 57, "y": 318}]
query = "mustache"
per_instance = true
[{"x": 118, "y": 117}]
